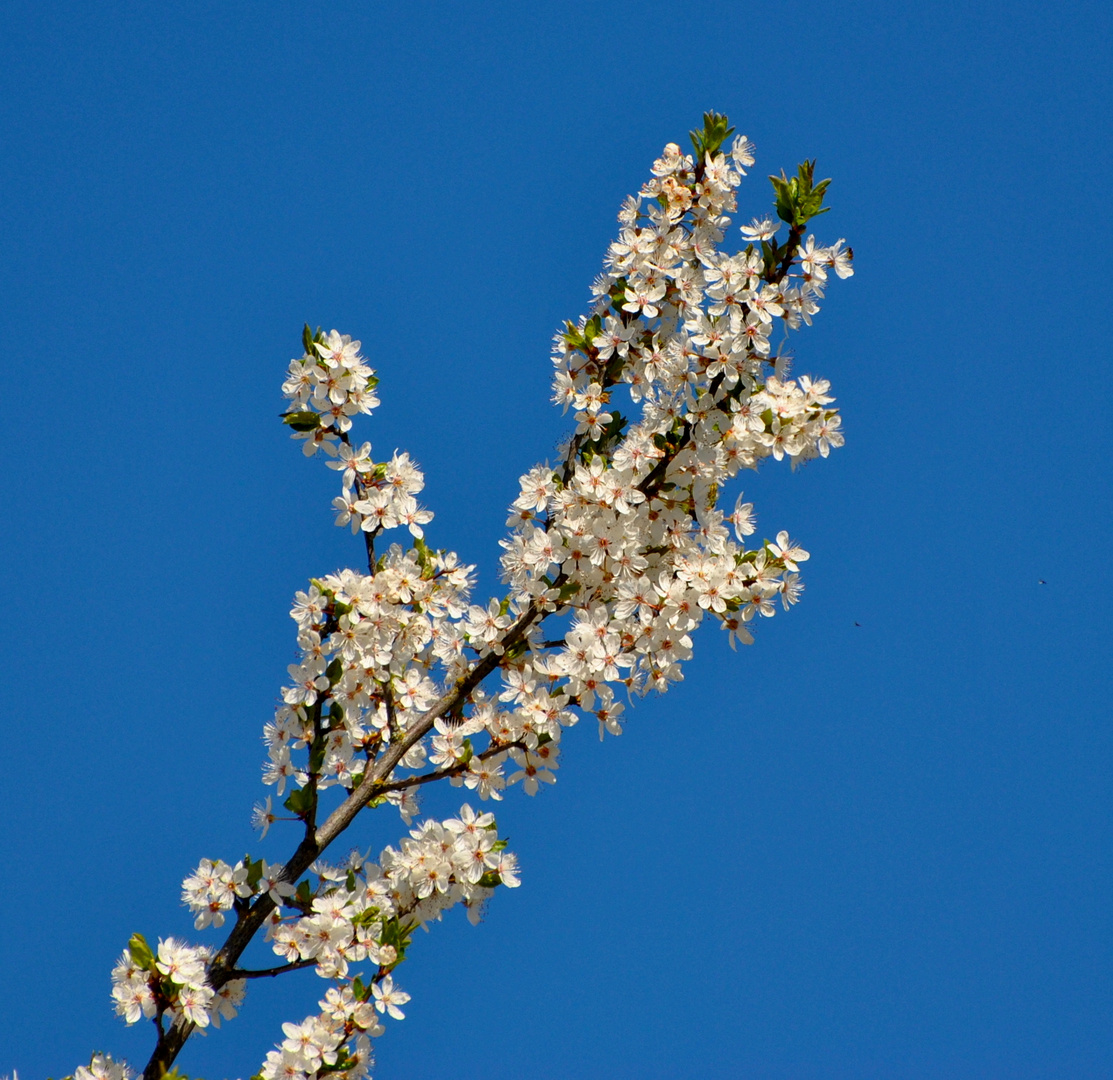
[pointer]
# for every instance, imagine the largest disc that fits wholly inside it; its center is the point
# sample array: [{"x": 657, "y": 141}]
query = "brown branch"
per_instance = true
[
  {"x": 270, "y": 973},
  {"x": 448, "y": 770}
]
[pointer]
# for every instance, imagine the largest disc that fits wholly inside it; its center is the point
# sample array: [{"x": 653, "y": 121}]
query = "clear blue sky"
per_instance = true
[{"x": 850, "y": 851}]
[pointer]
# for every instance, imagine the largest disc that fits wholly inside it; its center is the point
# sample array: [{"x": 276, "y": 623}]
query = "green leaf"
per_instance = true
[
  {"x": 785, "y": 191},
  {"x": 334, "y": 670},
  {"x": 716, "y": 131},
  {"x": 367, "y": 917},
  {"x": 141, "y": 952},
  {"x": 307, "y": 340},
  {"x": 299, "y": 802},
  {"x": 800, "y": 199},
  {"x": 573, "y": 336},
  {"x": 302, "y": 421},
  {"x": 397, "y": 933}
]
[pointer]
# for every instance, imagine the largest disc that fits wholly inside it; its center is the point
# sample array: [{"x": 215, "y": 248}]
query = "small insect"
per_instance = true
[{"x": 1042, "y": 582}]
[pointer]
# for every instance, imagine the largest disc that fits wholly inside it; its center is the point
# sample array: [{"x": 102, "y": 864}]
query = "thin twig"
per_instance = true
[{"x": 269, "y": 973}]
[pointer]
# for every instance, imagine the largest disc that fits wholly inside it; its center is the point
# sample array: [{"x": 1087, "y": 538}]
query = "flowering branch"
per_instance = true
[{"x": 622, "y": 545}]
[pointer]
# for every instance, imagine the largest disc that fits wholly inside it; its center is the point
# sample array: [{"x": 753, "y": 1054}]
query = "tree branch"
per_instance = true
[
  {"x": 269, "y": 973},
  {"x": 377, "y": 778},
  {"x": 448, "y": 770}
]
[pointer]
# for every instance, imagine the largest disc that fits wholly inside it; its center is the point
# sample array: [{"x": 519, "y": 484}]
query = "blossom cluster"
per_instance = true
[
  {"x": 357, "y": 909},
  {"x": 364, "y": 912},
  {"x": 332, "y": 384},
  {"x": 357, "y": 912},
  {"x": 334, "y": 1042},
  {"x": 327, "y": 386},
  {"x": 367, "y": 642},
  {"x": 625, "y": 536},
  {"x": 616, "y": 553},
  {"x": 173, "y": 982}
]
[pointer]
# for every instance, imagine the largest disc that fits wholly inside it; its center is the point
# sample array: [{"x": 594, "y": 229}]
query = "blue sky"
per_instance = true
[{"x": 875, "y": 850}]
